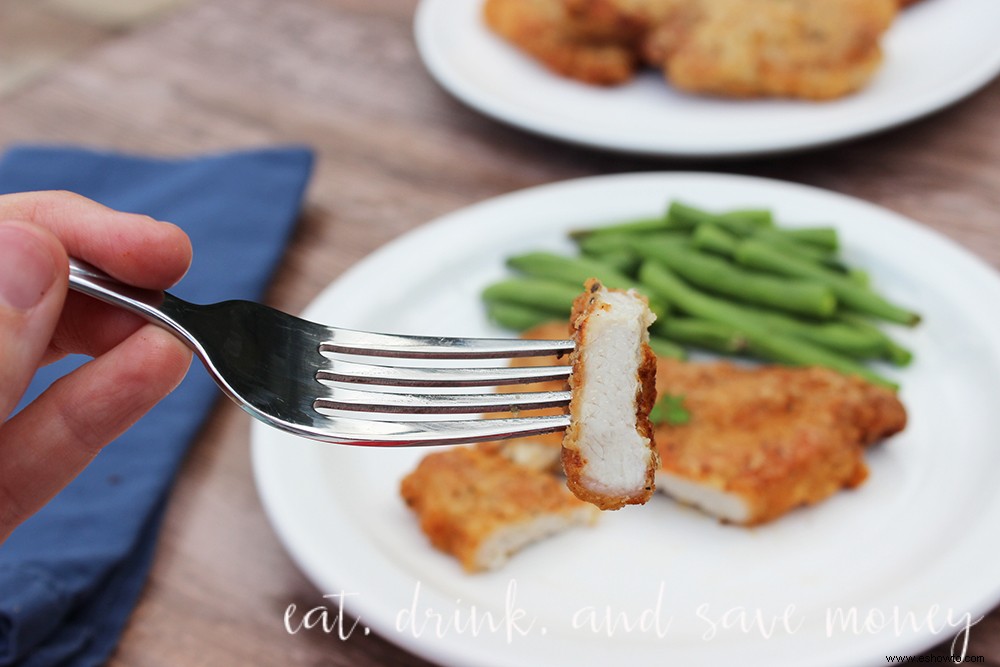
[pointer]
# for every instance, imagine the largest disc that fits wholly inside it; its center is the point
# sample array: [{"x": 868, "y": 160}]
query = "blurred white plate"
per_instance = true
[
  {"x": 936, "y": 53},
  {"x": 917, "y": 541}
]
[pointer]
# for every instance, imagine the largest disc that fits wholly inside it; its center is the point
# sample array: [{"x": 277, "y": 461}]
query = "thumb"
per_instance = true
[{"x": 33, "y": 278}]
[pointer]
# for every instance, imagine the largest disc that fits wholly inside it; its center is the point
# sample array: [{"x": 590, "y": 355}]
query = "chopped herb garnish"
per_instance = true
[{"x": 669, "y": 409}]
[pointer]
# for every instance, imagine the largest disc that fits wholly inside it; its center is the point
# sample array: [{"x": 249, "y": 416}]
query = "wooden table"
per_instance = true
[{"x": 394, "y": 151}]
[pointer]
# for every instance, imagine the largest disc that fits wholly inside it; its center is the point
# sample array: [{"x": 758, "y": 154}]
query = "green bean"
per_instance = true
[
  {"x": 775, "y": 346},
  {"x": 547, "y": 295},
  {"x": 778, "y": 239},
  {"x": 702, "y": 333},
  {"x": 718, "y": 275},
  {"x": 683, "y": 216},
  {"x": 665, "y": 348},
  {"x": 757, "y": 217},
  {"x": 787, "y": 246},
  {"x": 860, "y": 276},
  {"x": 573, "y": 270},
  {"x": 838, "y": 336},
  {"x": 758, "y": 255},
  {"x": 577, "y": 270},
  {"x": 795, "y": 352},
  {"x": 741, "y": 222},
  {"x": 711, "y": 238},
  {"x": 659, "y": 223},
  {"x": 625, "y": 262},
  {"x": 897, "y": 355},
  {"x": 823, "y": 237},
  {"x": 517, "y": 317},
  {"x": 892, "y": 351},
  {"x": 599, "y": 244}
]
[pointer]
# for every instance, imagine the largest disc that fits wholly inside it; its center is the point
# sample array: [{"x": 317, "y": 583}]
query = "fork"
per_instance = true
[{"x": 291, "y": 373}]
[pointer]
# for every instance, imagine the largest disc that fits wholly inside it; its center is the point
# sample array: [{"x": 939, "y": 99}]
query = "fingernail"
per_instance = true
[{"x": 27, "y": 268}]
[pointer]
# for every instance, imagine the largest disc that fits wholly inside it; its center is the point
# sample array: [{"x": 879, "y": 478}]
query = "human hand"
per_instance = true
[{"x": 135, "y": 364}]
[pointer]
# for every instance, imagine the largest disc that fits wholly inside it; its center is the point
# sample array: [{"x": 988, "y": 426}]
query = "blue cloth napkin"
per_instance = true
[{"x": 70, "y": 576}]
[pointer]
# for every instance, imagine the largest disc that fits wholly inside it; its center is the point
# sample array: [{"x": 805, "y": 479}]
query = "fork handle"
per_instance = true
[{"x": 160, "y": 308}]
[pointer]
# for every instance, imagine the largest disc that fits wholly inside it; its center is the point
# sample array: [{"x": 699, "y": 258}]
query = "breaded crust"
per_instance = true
[
  {"x": 481, "y": 507},
  {"x": 774, "y": 438},
  {"x": 792, "y": 48},
  {"x": 570, "y": 47},
  {"x": 585, "y": 474},
  {"x": 739, "y": 48}
]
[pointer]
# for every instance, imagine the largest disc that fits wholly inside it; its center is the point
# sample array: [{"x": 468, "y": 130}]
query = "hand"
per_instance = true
[{"x": 135, "y": 364}]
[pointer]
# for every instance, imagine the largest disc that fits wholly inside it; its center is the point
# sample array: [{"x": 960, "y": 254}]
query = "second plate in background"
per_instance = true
[{"x": 936, "y": 53}]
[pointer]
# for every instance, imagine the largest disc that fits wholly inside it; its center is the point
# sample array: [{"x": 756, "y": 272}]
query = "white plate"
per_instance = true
[
  {"x": 919, "y": 537},
  {"x": 936, "y": 53}
]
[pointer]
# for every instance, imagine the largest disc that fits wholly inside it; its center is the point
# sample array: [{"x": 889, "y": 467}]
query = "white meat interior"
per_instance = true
[
  {"x": 617, "y": 455},
  {"x": 727, "y": 506},
  {"x": 508, "y": 540}
]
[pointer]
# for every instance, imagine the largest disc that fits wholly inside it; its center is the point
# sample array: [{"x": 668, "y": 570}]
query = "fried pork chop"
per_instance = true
[
  {"x": 813, "y": 49},
  {"x": 608, "y": 452},
  {"x": 481, "y": 507},
  {"x": 741, "y": 419},
  {"x": 758, "y": 443},
  {"x": 762, "y": 441},
  {"x": 574, "y": 48}
]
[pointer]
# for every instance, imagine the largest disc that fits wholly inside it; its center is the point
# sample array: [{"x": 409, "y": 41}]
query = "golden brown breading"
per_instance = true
[
  {"x": 569, "y": 47},
  {"x": 608, "y": 453},
  {"x": 792, "y": 48},
  {"x": 776, "y": 437},
  {"x": 813, "y": 49},
  {"x": 631, "y": 21},
  {"x": 481, "y": 507}
]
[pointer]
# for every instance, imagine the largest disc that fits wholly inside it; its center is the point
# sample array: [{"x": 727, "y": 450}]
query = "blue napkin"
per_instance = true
[{"x": 70, "y": 576}]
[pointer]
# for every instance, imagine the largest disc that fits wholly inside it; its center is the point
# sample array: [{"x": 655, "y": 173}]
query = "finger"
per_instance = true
[
  {"x": 133, "y": 248},
  {"x": 90, "y": 327},
  {"x": 49, "y": 442},
  {"x": 33, "y": 269}
]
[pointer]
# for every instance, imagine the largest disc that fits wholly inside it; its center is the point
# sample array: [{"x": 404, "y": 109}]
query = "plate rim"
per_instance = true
[{"x": 440, "y": 69}]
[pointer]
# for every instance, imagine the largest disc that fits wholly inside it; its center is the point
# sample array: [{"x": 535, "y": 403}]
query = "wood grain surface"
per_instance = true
[{"x": 394, "y": 151}]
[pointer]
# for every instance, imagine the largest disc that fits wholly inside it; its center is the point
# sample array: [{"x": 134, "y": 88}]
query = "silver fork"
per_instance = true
[{"x": 276, "y": 367}]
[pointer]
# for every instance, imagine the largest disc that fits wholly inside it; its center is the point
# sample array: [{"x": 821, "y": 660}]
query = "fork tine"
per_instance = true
[
  {"x": 273, "y": 387},
  {"x": 350, "y": 371},
  {"x": 429, "y": 347},
  {"x": 371, "y": 433},
  {"x": 372, "y": 401}
]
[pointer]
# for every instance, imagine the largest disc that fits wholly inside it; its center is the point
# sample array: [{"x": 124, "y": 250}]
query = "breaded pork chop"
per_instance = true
[
  {"x": 608, "y": 452},
  {"x": 762, "y": 441},
  {"x": 574, "y": 48},
  {"x": 482, "y": 507},
  {"x": 813, "y": 49}
]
